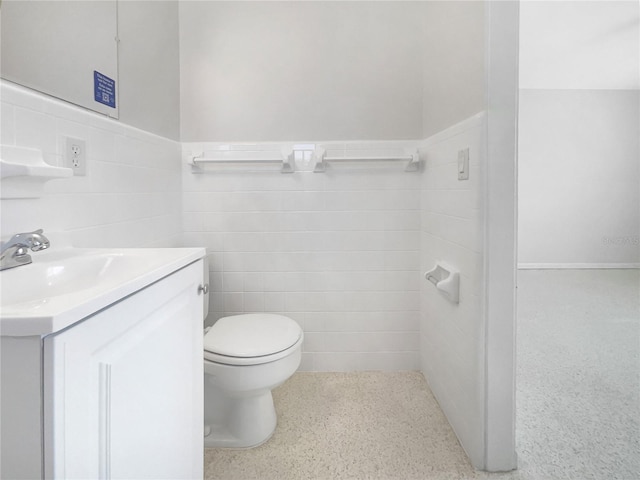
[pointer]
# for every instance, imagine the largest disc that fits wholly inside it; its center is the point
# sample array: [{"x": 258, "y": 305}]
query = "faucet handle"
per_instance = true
[{"x": 34, "y": 240}]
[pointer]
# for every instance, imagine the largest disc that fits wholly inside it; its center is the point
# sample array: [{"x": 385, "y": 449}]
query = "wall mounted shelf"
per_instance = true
[{"x": 23, "y": 172}]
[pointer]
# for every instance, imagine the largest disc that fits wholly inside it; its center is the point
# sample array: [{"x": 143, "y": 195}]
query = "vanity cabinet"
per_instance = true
[{"x": 121, "y": 390}]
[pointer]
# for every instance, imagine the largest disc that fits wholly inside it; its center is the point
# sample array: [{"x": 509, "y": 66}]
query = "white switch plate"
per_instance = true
[
  {"x": 463, "y": 164},
  {"x": 75, "y": 155}
]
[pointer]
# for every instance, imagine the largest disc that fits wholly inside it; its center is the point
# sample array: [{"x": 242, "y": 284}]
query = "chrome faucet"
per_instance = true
[{"x": 15, "y": 252}]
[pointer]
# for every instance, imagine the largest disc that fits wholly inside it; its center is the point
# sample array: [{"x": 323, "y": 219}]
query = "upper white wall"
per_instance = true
[
  {"x": 278, "y": 71},
  {"x": 453, "y": 61},
  {"x": 580, "y": 44},
  {"x": 578, "y": 134},
  {"x": 149, "y": 66},
  {"x": 579, "y": 174}
]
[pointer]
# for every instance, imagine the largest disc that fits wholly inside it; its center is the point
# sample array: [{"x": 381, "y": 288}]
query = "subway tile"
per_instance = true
[
  {"x": 348, "y": 220},
  {"x": 401, "y": 240},
  {"x": 215, "y": 281},
  {"x": 254, "y": 282},
  {"x": 274, "y": 281},
  {"x": 389, "y": 361},
  {"x": 339, "y": 321},
  {"x": 306, "y": 363},
  {"x": 301, "y": 201},
  {"x": 335, "y": 361},
  {"x": 243, "y": 242},
  {"x": 315, "y": 301},
  {"x": 316, "y": 322},
  {"x": 233, "y": 262},
  {"x": 295, "y": 301},
  {"x": 343, "y": 342},
  {"x": 100, "y": 145},
  {"x": 254, "y": 302},
  {"x": 274, "y": 301},
  {"x": 314, "y": 342},
  {"x": 192, "y": 222},
  {"x": 7, "y": 124},
  {"x": 402, "y": 280},
  {"x": 233, "y": 302},
  {"x": 338, "y": 302},
  {"x": 401, "y": 199},
  {"x": 216, "y": 261},
  {"x": 233, "y": 282},
  {"x": 35, "y": 130},
  {"x": 16, "y": 95},
  {"x": 251, "y": 201}
]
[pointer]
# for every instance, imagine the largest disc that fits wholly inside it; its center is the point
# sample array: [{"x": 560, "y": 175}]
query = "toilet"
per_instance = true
[{"x": 245, "y": 357}]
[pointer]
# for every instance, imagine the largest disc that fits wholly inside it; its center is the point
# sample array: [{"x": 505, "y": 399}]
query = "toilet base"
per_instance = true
[{"x": 238, "y": 422}]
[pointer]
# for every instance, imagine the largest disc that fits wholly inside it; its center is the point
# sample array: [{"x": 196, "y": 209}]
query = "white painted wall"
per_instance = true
[
  {"x": 130, "y": 196},
  {"x": 579, "y": 44},
  {"x": 41, "y": 48},
  {"x": 500, "y": 226},
  {"x": 149, "y": 66},
  {"x": 147, "y": 73},
  {"x": 579, "y": 128},
  {"x": 453, "y": 63},
  {"x": 291, "y": 71},
  {"x": 579, "y": 171}
]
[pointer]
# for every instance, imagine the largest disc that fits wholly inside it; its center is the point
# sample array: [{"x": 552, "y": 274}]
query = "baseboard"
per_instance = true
[{"x": 575, "y": 266}]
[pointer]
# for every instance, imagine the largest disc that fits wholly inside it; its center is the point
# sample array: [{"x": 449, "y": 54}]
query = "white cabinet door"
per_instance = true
[{"x": 123, "y": 395}]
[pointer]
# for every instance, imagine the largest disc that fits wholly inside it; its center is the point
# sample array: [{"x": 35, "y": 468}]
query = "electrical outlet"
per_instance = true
[{"x": 76, "y": 156}]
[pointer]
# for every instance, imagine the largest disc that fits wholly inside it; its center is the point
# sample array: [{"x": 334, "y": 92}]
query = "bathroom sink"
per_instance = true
[{"x": 63, "y": 286}]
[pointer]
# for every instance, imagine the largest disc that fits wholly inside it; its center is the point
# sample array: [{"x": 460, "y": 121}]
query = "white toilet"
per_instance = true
[{"x": 245, "y": 357}]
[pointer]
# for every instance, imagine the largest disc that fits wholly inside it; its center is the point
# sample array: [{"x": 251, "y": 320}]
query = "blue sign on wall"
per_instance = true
[{"x": 104, "y": 89}]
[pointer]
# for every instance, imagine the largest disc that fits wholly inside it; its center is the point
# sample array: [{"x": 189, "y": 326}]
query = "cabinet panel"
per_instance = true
[
  {"x": 123, "y": 389},
  {"x": 20, "y": 408}
]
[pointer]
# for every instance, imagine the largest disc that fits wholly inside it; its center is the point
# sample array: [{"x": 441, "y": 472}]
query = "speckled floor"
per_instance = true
[
  {"x": 578, "y": 401},
  {"x": 350, "y": 425},
  {"x": 578, "y": 380}
]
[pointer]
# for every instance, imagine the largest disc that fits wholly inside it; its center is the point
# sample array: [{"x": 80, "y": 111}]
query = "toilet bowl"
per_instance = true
[{"x": 245, "y": 357}]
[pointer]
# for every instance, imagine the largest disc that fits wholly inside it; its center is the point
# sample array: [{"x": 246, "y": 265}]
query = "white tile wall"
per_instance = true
[
  {"x": 337, "y": 251},
  {"x": 341, "y": 252},
  {"x": 452, "y": 336},
  {"x": 130, "y": 196}
]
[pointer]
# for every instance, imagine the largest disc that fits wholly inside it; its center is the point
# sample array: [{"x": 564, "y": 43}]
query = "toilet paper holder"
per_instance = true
[{"x": 445, "y": 279}]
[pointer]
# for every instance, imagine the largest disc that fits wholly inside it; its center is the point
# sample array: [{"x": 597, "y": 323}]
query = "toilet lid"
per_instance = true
[{"x": 252, "y": 335}]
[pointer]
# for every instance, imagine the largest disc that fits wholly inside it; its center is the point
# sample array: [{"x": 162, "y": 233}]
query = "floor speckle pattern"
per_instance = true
[
  {"x": 578, "y": 401},
  {"x": 350, "y": 426},
  {"x": 578, "y": 380}
]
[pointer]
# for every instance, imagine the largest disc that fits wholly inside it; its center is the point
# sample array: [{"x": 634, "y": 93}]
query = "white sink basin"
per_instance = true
[{"x": 64, "y": 286}]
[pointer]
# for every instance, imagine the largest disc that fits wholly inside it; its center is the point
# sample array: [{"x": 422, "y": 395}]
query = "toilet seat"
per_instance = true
[{"x": 251, "y": 339}]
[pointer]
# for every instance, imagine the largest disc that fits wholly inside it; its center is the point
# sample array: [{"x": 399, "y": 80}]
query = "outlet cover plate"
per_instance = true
[{"x": 75, "y": 155}]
